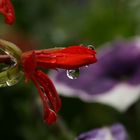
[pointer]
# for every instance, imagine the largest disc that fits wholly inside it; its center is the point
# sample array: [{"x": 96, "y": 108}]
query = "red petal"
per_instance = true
[
  {"x": 29, "y": 64},
  {"x": 6, "y": 8},
  {"x": 49, "y": 116},
  {"x": 78, "y": 50},
  {"x": 67, "y": 58},
  {"x": 49, "y": 90},
  {"x": 47, "y": 96}
]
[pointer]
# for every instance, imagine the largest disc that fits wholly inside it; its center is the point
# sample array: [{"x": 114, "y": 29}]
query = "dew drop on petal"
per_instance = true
[
  {"x": 73, "y": 74},
  {"x": 91, "y": 47}
]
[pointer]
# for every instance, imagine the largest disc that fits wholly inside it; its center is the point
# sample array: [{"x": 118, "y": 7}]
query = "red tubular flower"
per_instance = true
[
  {"x": 6, "y": 8},
  {"x": 72, "y": 57}
]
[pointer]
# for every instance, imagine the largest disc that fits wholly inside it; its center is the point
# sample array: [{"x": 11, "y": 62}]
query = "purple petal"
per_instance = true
[
  {"x": 115, "y": 132},
  {"x": 119, "y": 132}
]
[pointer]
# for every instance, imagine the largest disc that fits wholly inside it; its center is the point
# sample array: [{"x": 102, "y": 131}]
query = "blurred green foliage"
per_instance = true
[
  {"x": 62, "y": 23},
  {"x": 78, "y": 21}
]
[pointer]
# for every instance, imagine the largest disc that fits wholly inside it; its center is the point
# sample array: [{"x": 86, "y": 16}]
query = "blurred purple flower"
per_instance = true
[
  {"x": 113, "y": 80},
  {"x": 115, "y": 132}
]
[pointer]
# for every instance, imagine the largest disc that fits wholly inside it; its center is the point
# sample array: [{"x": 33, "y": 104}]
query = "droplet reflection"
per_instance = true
[
  {"x": 91, "y": 47},
  {"x": 73, "y": 74}
]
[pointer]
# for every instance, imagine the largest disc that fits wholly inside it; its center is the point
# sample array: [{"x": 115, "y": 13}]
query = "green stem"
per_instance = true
[{"x": 62, "y": 130}]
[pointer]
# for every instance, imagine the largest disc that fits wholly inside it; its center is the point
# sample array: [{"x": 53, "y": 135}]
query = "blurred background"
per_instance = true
[{"x": 51, "y": 23}]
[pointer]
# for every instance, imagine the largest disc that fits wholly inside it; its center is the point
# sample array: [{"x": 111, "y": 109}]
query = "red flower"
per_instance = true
[
  {"x": 66, "y": 58},
  {"x": 6, "y": 8}
]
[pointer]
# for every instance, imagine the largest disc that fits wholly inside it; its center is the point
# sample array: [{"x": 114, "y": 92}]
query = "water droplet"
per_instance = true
[
  {"x": 91, "y": 47},
  {"x": 11, "y": 82},
  {"x": 87, "y": 66},
  {"x": 73, "y": 74},
  {"x": 14, "y": 79}
]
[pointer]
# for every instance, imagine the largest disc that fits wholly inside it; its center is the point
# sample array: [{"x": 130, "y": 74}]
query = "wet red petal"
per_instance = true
[
  {"x": 49, "y": 116},
  {"x": 49, "y": 90},
  {"x": 78, "y": 50},
  {"x": 65, "y": 58},
  {"x": 50, "y": 99}
]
